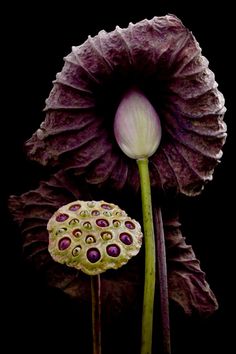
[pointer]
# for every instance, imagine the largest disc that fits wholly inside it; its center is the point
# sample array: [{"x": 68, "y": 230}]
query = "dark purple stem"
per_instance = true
[
  {"x": 162, "y": 275},
  {"x": 96, "y": 313}
]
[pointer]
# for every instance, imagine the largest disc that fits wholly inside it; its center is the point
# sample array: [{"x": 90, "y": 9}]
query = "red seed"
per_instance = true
[
  {"x": 62, "y": 217},
  {"x": 126, "y": 238},
  {"x": 93, "y": 255},
  {"x": 129, "y": 225},
  {"x": 113, "y": 250},
  {"x": 64, "y": 243},
  {"x": 102, "y": 222}
]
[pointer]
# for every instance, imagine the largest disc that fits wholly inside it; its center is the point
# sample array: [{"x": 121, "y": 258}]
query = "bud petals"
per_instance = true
[{"x": 137, "y": 126}]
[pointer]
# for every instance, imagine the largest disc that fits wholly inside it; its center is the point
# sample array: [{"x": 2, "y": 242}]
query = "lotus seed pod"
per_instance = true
[{"x": 93, "y": 236}]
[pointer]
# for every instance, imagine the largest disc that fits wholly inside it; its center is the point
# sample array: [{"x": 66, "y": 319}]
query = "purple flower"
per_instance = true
[{"x": 162, "y": 59}]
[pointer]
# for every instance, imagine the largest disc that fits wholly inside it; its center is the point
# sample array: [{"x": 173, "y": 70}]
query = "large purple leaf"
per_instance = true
[{"x": 164, "y": 60}]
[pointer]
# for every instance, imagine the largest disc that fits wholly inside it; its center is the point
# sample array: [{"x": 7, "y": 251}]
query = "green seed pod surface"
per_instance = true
[{"x": 93, "y": 236}]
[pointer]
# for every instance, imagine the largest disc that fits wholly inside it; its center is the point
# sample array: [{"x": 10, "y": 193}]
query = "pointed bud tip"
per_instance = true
[{"x": 137, "y": 125}]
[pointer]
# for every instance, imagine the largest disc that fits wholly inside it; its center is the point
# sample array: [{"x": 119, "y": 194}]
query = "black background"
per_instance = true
[{"x": 37, "y": 39}]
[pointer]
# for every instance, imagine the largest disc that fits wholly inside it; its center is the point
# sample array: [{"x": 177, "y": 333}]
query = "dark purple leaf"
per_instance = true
[
  {"x": 123, "y": 287},
  {"x": 163, "y": 59}
]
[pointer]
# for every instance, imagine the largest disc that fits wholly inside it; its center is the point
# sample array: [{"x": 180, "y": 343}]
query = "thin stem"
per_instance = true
[
  {"x": 96, "y": 313},
  {"x": 149, "y": 281},
  {"x": 162, "y": 277}
]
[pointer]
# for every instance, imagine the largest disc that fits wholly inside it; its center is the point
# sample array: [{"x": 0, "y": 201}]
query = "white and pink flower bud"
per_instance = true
[{"x": 137, "y": 126}]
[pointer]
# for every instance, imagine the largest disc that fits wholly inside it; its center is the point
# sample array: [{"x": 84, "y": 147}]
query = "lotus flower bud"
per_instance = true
[
  {"x": 93, "y": 236},
  {"x": 137, "y": 126}
]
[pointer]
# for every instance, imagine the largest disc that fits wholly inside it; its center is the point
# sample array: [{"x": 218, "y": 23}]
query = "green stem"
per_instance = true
[
  {"x": 150, "y": 257},
  {"x": 96, "y": 313}
]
